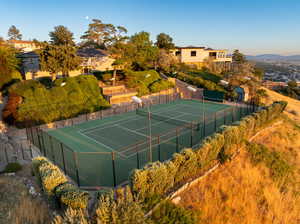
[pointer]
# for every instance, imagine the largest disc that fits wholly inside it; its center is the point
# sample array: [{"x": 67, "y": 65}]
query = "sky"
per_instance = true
[{"x": 252, "y": 26}]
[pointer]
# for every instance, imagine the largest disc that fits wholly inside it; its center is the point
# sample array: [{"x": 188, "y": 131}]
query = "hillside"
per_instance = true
[
  {"x": 293, "y": 108},
  {"x": 243, "y": 191}
]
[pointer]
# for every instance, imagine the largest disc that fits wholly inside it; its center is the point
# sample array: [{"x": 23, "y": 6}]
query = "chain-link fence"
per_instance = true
[{"x": 95, "y": 169}]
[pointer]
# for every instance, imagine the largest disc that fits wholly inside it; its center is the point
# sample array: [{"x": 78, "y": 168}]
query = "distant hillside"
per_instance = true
[{"x": 273, "y": 57}]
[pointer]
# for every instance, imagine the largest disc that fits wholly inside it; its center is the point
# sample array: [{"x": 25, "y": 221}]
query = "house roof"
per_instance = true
[
  {"x": 91, "y": 52},
  {"x": 190, "y": 47}
]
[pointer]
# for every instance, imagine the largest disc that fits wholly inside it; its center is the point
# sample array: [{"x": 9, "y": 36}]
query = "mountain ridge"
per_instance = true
[{"x": 273, "y": 57}]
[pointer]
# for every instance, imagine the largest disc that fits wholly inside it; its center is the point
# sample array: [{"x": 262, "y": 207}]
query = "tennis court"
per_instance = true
[{"x": 103, "y": 152}]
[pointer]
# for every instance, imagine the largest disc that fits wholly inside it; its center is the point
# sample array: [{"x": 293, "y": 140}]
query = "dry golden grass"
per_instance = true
[
  {"x": 241, "y": 193},
  {"x": 17, "y": 206},
  {"x": 293, "y": 108}
]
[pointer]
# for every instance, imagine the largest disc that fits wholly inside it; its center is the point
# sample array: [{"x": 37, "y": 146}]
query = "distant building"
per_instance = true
[
  {"x": 23, "y": 45},
  {"x": 198, "y": 55},
  {"x": 92, "y": 59}
]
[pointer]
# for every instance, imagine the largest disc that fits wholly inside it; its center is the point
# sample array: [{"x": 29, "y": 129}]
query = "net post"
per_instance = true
[
  {"x": 114, "y": 168},
  {"x": 177, "y": 140},
  {"x": 63, "y": 157},
  {"x": 76, "y": 168}
]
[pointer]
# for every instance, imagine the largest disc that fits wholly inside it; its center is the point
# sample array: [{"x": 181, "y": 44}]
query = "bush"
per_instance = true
[
  {"x": 71, "y": 196},
  {"x": 169, "y": 213},
  {"x": 123, "y": 208},
  {"x": 46, "y": 81},
  {"x": 78, "y": 95},
  {"x": 54, "y": 183},
  {"x": 51, "y": 177},
  {"x": 160, "y": 85},
  {"x": 146, "y": 81},
  {"x": 71, "y": 216},
  {"x": 12, "y": 168}
]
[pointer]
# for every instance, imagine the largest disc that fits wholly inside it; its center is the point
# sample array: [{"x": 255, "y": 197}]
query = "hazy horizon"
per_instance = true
[{"x": 254, "y": 27}]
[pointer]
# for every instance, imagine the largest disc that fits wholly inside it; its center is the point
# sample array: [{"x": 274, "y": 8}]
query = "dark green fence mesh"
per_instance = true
[{"x": 113, "y": 168}]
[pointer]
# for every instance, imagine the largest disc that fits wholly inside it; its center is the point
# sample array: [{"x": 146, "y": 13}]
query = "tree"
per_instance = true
[
  {"x": 14, "y": 33},
  {"x": 61, "y": 36},
  {"x": 60, "y": 54},
  {"x": 238, "y": 57},
  {"x": 8, "y": 65},
  {"x": 101, "y": 35},
  {"x": 49, "y": 60},
  {"x": 164, "y": 41},
  {"x": 144, "y": 55}
]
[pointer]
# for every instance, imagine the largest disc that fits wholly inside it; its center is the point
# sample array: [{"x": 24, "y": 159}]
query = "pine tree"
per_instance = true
[{"x": 14, "y": 33}]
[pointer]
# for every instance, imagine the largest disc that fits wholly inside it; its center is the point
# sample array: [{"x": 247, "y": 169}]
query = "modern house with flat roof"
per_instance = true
[{"x": 198, "y": 55}]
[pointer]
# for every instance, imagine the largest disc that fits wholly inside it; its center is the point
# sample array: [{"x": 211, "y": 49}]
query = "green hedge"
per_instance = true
[
  {"x": 146, "y": 81},
  {"x": 56, "y": 185},
  {"x": 66, "y": 98},
  {"x": 198, "y": 81},
  {"x": 160, "y": 178}
]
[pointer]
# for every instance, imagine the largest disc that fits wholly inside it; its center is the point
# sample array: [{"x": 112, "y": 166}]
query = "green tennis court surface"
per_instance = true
[{"x": 104, "y": 152}]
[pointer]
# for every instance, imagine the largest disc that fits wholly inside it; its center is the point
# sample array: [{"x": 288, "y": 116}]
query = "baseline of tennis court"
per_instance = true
[{"x": 103, "y": 152}]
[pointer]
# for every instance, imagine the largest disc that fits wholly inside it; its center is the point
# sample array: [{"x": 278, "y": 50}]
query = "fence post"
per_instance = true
[
  {"x": 114, "y": 168},
  {"x": 30, "y": 150},
  {"x": 32, "y": 138},
  {"x": 225, "y": 117},
  {"x": 215, "y": 121},
  {"x": 51, "y": 146},
  {"x": 158, "y": 144},
  {"x": 232, "y": 115},
  {"x": 76, "y": 168},
  {"x": 204, "y": 127},
  {"x": 137, "y": 156},
  {"x": 177, "y": 141},
  {"x": 22, "y": 151},
  {"x": 63, "y": 157},
  {"x": 6, "y": 155},
  {"x": 192, "y": 133}
]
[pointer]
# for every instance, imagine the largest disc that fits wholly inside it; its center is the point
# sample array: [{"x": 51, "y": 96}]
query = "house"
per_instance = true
[
  {"x": 92, "y": 59},
  {"x": 23, "y": 45},
  {"x": 199, "y": 55}
]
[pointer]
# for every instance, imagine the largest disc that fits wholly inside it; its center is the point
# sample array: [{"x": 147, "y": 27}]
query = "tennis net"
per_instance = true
[{"x": 159, "y": 117}]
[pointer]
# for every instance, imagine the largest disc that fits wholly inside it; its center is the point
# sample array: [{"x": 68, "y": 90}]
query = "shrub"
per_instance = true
[
  {"x": 78, "y": 95},
  {"x": 69, "y": 195},
  {"x": 46, "y": 81},
  {"x": 12, "y": 168},
  {"x": 71, "y": 216},
  {"x": 51, "y": 177},
  {"x": 169, "y": 213},
  {"x": 123, "y": 208},
  {"x": 160, "y": 85}
]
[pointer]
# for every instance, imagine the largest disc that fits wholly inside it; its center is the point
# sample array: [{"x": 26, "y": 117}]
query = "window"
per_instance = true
[
  {"x": 193, "y": 53},
  {"x": 177, "y": 53}
]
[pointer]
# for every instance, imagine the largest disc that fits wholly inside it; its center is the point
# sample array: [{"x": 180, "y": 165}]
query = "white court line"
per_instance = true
[
  {"x": 133, "y": 131},
  {"x": 94, "y": 140}
]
